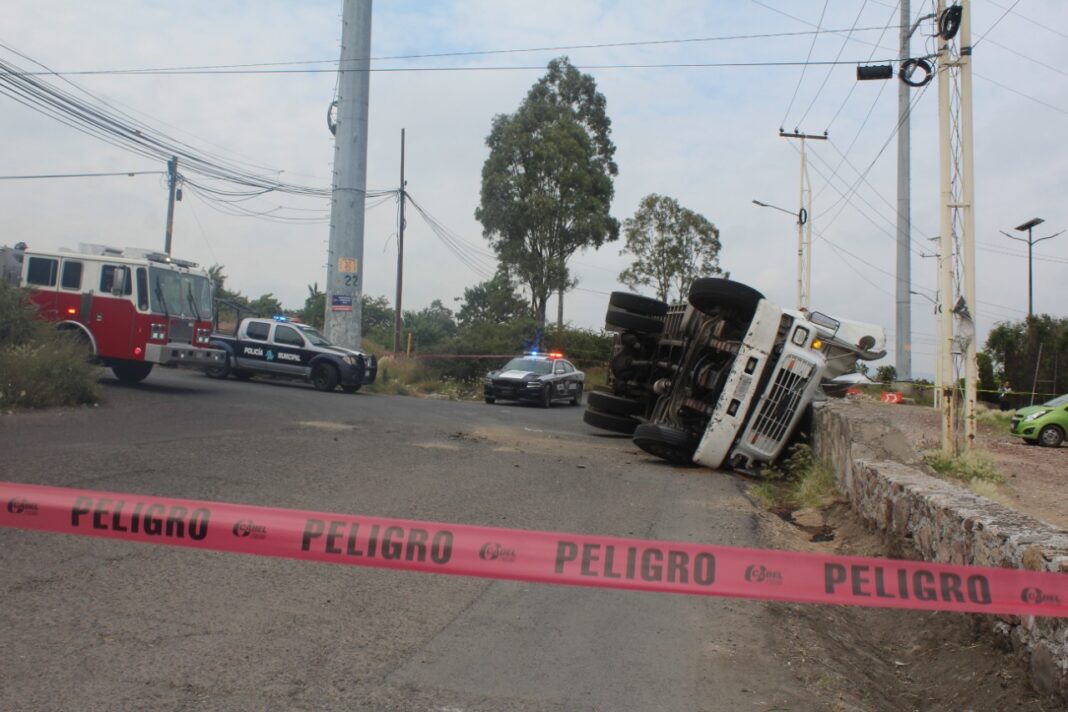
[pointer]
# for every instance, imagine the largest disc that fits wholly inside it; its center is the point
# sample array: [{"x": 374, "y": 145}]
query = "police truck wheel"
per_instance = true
[
  {"x": 1051, "y": 436},
  {"x": 665, "y": 442},
  {"x": 637, "y": 304},
  {"x": 131, "y": 372},
  {"x": 222, "y": 370},
  {"x": 351, "y": 389},
  {"x": 607, "y": 421},
  {"x": 617, "y": 405},
  {"x": 709, "y": 294},
  {"x": 324, "y": 377},
  {"x": 625, "y": 321},
  {"x": 547, "y": 396}
]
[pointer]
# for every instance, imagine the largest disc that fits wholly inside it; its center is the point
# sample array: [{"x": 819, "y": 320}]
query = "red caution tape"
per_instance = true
[{"x": 544, "y": 557}]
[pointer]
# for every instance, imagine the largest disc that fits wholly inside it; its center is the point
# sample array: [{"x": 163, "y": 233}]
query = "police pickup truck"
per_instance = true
[{"x": 283, "y": 348}]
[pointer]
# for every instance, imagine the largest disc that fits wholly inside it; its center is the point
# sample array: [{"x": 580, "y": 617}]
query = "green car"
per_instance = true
[{"x": 1044, "y": 424}]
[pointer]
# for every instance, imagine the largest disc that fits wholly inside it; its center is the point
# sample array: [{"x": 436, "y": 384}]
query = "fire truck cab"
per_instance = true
[{"x": 133, "y": 308}]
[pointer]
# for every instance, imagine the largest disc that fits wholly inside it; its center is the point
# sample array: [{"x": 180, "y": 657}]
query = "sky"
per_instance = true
[{"x": 707, "y": 136}]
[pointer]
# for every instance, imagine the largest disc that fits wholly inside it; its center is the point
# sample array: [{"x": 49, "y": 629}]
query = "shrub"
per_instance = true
[{"x": 40, "y": 366}]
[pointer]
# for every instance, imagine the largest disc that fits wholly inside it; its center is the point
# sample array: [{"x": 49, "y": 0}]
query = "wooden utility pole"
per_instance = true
[
  {"x": 400, "y": 258},
  {"x": 172, "y": 181}
]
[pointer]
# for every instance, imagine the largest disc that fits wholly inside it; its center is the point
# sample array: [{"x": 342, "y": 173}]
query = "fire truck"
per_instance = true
[{"x": 132, "y": 308}]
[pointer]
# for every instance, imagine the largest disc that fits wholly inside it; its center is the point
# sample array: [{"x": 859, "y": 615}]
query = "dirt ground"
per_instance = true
[{"x": 883, "y": 660}]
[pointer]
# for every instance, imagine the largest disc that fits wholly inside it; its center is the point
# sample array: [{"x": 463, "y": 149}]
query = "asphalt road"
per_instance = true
[{"x": 88, "y": 624}]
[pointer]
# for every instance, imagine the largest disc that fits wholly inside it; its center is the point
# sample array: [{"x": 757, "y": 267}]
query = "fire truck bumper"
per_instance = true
[{"x": 185, "y": 356}]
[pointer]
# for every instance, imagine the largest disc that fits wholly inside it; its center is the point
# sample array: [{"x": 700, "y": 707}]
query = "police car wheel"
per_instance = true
[
  {"x": 222, "y": 370},
  {"x": 324, "y": 377},
  {"x": 665, "y": 442},
  {"x": 242, "y": 375},
  {"x": 577, "y": 398},
  {"x": 491, "y": 400},
  {"x": 352, "y": 388},
  {"x": 547, "y": 396}
]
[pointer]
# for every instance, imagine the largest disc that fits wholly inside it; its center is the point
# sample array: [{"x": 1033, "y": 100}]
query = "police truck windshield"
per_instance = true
[
  {"x": 177, "y": 294},
  {"x": 312, "y": 334}
]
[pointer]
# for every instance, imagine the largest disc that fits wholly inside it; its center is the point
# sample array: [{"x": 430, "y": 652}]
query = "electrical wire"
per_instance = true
[
  {"x": 996, "y": 23},
  {"x": 804, "y": 68},
  {"x": 84, "y": 175},
  {"x": 830, "y": 71}
]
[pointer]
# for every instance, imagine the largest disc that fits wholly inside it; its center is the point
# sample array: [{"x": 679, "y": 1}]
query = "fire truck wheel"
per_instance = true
[
  {"x": 709, "y": 294},
  {"x": 131, "y": 371},
  {"x": 351, "y": 389},
  {"x": 637, "y": 304},
  {"x": 324, "y": 377},
  {"x": 220, "y": 371},
  {"x": 669, "y": 443}
]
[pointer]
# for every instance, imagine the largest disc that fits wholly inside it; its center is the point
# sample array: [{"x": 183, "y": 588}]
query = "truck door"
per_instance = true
[
  {"x": 289, "y": 355},
  {"x": 252, "y": 346},
  {"x": 111, "y": 317}
]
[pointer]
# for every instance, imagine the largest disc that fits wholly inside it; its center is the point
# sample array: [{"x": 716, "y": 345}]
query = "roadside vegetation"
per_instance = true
[
  {"x": 974, "y": 469},
  {"x": 799, "y": 481},
  {"x": 39, "y": 366}
]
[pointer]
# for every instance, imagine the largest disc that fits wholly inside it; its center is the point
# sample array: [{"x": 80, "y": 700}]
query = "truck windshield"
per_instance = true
[{"x": 177, "y": 294}]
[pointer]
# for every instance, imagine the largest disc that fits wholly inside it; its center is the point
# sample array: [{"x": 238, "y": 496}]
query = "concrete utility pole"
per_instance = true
[
  {"x": 804, "y": 224},
  {"x": 958, "y": 200},
  {"x": 903, "y": 326},
  {"x": 400, "y": 258},
  {"x": 1028, "y": 227},
  {"x": 172, "y": 182},
  {"x": 344, "y": 274}
]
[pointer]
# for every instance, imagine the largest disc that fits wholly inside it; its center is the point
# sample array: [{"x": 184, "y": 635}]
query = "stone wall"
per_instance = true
[{"x": 884, "y": 478}]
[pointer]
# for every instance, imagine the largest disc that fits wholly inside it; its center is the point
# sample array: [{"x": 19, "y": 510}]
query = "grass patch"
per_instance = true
[
  {"x": 999, "y": 419},
  {"x": 970, "y": 466},
  {"x": 799, "y": 481},
  {"x": 40, "y": 366}
]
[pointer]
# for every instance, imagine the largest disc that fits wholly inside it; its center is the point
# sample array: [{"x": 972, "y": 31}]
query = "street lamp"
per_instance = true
[
  {"x": 804, "y": 266},
  {"x": 1028, "y": 227}
]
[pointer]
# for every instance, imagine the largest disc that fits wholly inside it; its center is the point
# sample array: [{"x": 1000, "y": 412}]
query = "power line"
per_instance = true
[
  {"x": 83, "y": 175},
  {"x": 996, "y": 23},
  {"x": 805, "y": 66},
  {"x": 838, "y": 56}
]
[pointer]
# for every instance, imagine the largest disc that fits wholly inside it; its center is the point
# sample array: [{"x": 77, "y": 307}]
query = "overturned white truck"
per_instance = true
[{"x": 723, "y": 379}]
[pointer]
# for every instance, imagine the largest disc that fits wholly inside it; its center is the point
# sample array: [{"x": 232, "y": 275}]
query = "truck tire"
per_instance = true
[
  {"x": 607, "y": 421},
  {"x": 637, "y": 304},
  {"x": 665, "y": 442},
  {"x": 220, "y": 371},
  {"x": 711, "y": 293},
  {"x": 131, "y": 372},
  {"x": 616, "y": 405},
  {"x": 324, "y": 377},
  {"x": 615, "y": 320}
]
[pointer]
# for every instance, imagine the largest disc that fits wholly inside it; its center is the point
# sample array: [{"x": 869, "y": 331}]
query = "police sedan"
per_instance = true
[{"x": 537, "y": 378}]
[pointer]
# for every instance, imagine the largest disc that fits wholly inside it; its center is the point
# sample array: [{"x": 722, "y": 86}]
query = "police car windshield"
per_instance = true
[
  {"x": 535, "y": 365},
  {"x": 313, "y": 335}
]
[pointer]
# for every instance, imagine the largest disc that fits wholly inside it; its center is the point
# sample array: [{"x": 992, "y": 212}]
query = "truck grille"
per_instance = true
[
  {"x": 771, "y": 425},
  {"x": 180, "y": 330}
]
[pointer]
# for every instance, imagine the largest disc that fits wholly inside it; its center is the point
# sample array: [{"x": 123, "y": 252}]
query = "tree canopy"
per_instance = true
[
  {"x": 1015, "y": 349},
  {"x": 672, "y": 246},
  {"x": 547, "y": 183}
]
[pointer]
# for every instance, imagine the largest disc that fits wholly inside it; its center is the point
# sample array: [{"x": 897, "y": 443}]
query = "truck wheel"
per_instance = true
[
  {"x": 615, "y": 320},
  {"x": 607, "y": 421},
  {"x": 131, "y": 372},
  {"x": 324, "y": 377},
  {"x": 351, "y": 389},
  {"x": 637, "y": 304},
  {"x": 220, "y": 371},
  {"x": 711, "y": 293},
  {"x": 616, "y": 405},
  {"x": 1051, "y": 436},
  {"x": 665, "y": 442}
]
